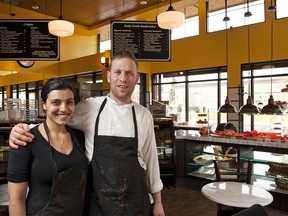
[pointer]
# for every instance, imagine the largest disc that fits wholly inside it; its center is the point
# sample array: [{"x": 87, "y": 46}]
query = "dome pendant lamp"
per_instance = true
[
  {"x": 227, "y": 107},
  {"x": 271, "y": 107},
  {"x": 61, "y": 27},
  {"x": 170, "y": 19},
  {"x": 249, "y": 107}
]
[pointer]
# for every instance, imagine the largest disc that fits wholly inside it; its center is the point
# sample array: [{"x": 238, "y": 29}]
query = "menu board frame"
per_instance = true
[
  {"x": 145, "y": 39},
  {"x": 28, "y": 40}
]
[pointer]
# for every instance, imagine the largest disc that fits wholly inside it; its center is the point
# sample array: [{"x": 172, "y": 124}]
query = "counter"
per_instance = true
[
  {"x": 5, "y": 128},
  {"x": 277, "y": 145},
  {"x": 261, "y": 152}
]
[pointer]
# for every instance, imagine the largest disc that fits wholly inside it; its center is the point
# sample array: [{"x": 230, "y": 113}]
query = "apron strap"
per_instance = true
[
  {"x": 135, "y": 123},
  {"x": 98, "y": 118},
  {"x": 54, "y": 164}
]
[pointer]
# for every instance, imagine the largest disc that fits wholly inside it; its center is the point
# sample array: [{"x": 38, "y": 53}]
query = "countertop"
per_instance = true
[{"x": 239, "y": 141}]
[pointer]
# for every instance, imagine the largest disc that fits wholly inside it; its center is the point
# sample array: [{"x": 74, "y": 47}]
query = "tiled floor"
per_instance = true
[
  {"x": 3, "y": 194},
  {"x": 186, "y": 202},
  {"x": 176, "y": 201}
]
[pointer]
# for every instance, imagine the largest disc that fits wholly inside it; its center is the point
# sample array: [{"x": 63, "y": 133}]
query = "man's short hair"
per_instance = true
[{"x": 125, "y": 54}]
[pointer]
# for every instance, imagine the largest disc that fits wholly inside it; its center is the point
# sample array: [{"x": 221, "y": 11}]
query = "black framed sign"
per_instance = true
[
  {"x": 27, "y": 40},
  {"x": 146, "y": 40}
]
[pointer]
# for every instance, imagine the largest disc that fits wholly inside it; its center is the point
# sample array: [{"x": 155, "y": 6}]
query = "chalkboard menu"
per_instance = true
[
  {"x": 146, "y": 40},
  {"x": 27, "y": 40}
]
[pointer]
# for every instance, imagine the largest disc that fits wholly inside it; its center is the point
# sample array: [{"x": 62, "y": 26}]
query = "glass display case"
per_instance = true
[
  {"x": 269, "y": 158},
  {"x": 165, "y": 137},
  {"x": 5, "y": 128}
]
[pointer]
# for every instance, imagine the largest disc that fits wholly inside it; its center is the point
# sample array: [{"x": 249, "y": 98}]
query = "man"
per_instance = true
[{"x": 120, "y": 143}]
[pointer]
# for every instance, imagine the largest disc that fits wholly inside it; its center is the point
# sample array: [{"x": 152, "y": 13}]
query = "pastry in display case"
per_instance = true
[{"x": 202, "y": 118}]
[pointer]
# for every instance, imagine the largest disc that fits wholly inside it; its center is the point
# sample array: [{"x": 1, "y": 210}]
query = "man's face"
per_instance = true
[{"x": 122, "y": 78}]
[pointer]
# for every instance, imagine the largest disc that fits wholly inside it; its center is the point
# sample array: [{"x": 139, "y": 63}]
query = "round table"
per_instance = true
[{"x": 236, "y": 194}]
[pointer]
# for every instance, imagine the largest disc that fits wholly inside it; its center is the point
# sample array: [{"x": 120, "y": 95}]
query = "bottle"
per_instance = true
[{"x": 179, "y": 110}]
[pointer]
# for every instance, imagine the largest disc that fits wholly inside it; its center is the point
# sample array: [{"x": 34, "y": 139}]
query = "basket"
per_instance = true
[
  {"x": 282, "y": 183},
  {"x": 276, "y": 167}
]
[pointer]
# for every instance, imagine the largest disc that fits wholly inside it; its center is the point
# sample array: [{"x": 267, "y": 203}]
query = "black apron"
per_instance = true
[
  {"x": 118, "y": 181},
  {"x": 68, "y": 187}
]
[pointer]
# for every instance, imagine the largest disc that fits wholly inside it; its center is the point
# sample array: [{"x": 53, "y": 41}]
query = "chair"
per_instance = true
[
  {"x": 238, "y": 171},
  {"x": 256, "y": 209}
]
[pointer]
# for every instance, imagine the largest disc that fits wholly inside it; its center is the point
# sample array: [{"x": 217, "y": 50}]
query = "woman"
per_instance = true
[{"x": 53, "y": 166}]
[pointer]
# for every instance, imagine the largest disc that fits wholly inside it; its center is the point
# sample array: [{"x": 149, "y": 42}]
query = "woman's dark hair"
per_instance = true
[{"x": 54, "y": 84}]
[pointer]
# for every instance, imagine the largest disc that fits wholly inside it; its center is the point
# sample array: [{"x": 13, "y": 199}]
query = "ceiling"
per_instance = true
[
  {"x": 88, "y": 13},
  {"x": 91, "y": 13}
]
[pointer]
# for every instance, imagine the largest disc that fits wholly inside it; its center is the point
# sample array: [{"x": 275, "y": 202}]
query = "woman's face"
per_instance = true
[{"x": 59, "y": 106}]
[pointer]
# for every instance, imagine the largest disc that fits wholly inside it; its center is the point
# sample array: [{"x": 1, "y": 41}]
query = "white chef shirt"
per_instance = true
[{"x": 117, "y": 120}]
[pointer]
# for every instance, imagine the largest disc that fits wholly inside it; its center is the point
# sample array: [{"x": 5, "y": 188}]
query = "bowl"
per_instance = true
[
  {"x": 277, "y": 167},
  {"x": 282, "y": 183},
  {"x": 204, "y": 160}
]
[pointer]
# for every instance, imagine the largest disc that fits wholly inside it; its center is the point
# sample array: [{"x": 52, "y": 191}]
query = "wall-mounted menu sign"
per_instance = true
[
  {"x": 27, "y": 40},
  {"x": 146, "y": 40}
]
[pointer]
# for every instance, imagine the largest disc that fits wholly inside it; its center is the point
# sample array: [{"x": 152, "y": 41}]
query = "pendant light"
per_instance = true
[
  {"x": 271, "y": 107},
  {"x": 170, "y": 19},
  {"x": 227, "y": 107},
  {"x": 249, "y": 107},
  {"x": 61, "y": 27}
]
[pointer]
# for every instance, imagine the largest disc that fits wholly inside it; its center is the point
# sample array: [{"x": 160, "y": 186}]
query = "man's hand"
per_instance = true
[{"x": 20, "y": 135}]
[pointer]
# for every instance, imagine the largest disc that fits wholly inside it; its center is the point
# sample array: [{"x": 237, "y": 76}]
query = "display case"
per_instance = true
[
  {"x": 164, "y": 134},
  {"x": 5, "y": 128},
  {"x": 270, "y": 161}
]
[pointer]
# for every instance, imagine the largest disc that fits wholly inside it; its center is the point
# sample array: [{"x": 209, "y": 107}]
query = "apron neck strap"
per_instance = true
[
  {"x": 101, "y": 109},
  {"x": 135, "y": 122}
]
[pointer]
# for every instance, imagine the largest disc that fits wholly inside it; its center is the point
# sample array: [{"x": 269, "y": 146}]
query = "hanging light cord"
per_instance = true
[
  {"x": 226, "y": 19},
  {"x": 46, "y": 5},
  {"x": 247, "y": 15},
  {"x": 271, "y": 10},
  {"x": 225, "y": 8},
  {"x": 61, "y": 16}
]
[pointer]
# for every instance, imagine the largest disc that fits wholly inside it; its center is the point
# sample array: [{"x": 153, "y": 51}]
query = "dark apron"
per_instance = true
[
  {"x": 68, "y": 187},
  {"x": 118, "y": 181}
]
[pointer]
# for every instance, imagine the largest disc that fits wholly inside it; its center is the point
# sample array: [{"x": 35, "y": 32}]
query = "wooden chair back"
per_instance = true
[{"x": 239, "y": 171}]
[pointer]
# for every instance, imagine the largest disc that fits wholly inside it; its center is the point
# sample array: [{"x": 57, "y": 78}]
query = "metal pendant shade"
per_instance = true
[
  {"x": 249, "y": 107},
  {"x": 271, "y": 107},
  {"x": 227, "y": 107}
]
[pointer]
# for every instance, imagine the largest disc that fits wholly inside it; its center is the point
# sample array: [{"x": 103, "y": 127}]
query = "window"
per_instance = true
[
  {"x": 21, "y": 92},
  {"x": 190, "y": 93},
  {"x": 235, "y": 13},
  {"x": 2, "y": 97},
  {"x": 281, "y": 9},
  {"x": 190, "y": 28},
  {"x": 105, "y": 45},
  {"x": 139, "y": 94},
  {"x": 265, "y": 80}
]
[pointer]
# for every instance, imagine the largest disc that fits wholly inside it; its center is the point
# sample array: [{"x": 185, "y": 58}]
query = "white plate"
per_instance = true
[{"x": 204, "y": 160}]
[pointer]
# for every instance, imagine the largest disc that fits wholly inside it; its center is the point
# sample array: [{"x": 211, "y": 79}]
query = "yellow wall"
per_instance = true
[{"x": 78, "y": 53}]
